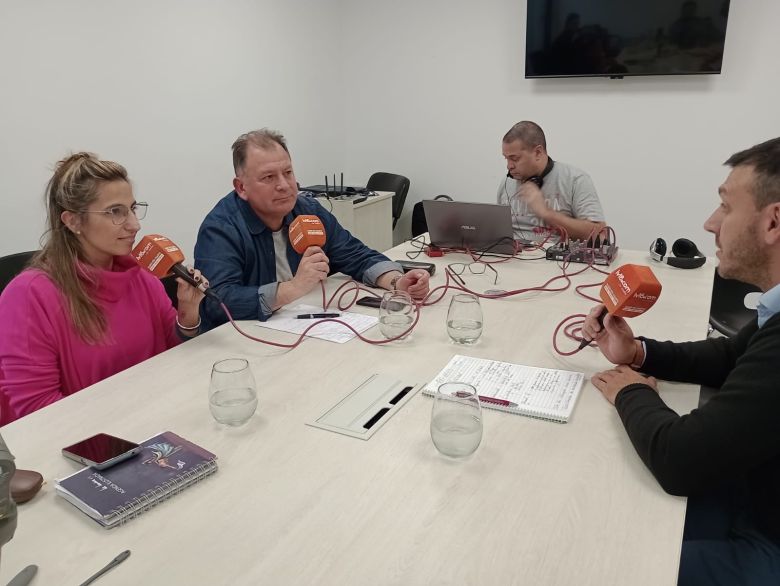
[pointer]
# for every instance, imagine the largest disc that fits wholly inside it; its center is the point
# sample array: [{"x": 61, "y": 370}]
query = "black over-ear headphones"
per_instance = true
[
  {"x": 538, "y": 179},
  {"x": 686, "y": 255}
]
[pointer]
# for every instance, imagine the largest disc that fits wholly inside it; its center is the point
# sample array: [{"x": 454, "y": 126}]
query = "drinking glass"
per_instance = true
[
  {"x": 396, "y": 313},
  {"x": 464, "y": 319},
  {"x": 232, "y": 392},
  {"x": 456, "y": 420}
]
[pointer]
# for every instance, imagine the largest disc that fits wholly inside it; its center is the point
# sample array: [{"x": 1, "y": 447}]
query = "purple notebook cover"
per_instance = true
[{"x": 165, "y": 458}]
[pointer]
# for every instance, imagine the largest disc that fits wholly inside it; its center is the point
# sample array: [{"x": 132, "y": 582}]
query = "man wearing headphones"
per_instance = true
[
  {"x": 543, "y": 192},
  {"x": 725, "y": 455}
]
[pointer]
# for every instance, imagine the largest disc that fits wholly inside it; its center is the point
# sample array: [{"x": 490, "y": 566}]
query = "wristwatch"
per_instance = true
[{"x": 393, "y": 282}]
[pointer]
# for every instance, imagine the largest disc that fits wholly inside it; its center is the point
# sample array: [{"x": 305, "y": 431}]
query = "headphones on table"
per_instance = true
[{"x": 686, "y": 254}]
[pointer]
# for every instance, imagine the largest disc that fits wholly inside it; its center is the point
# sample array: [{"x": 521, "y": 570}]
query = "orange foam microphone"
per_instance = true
[
  {"x": 628, "y": 291},
  {"x": 306, "y": 231},
  {"x": 161, "y": 257}
]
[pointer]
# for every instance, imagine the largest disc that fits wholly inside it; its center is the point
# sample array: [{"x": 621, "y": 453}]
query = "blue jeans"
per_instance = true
[{"x": 721, "y": 547}]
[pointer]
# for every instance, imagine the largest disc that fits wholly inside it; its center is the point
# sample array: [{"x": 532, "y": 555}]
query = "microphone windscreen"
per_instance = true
[
  {"x": 306, "y": 231},
  {"x": 157, "y": 254},
  {"x": 630, "y": 290}
]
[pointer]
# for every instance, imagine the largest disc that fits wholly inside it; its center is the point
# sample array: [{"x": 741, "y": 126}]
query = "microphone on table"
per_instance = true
[
  {"x": 161, "y": 257},
  {"x": 305, "y": 231},
  {"x": 628, "y": 291}
]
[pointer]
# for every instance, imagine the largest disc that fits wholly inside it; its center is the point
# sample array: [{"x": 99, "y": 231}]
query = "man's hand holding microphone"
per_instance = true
[
  {"x": 618, "y": 345},
  {"x": 312, "y": 270},
  {"x": 628, "y": 291}
]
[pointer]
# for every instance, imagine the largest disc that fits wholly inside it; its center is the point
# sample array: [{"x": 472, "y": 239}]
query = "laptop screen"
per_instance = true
[{"x": 477, "y": 226}]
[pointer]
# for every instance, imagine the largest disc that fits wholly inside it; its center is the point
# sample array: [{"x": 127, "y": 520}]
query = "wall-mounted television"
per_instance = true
[{"x": 615, "y": 38}]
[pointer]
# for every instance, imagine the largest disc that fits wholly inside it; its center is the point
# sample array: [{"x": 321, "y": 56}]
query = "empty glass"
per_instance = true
[
  {"x": 456, "y": 420},
  {"x": 464, "y": 319},
  {"x": 232, "y": 392},
  {"x": 396, "y": 313}
]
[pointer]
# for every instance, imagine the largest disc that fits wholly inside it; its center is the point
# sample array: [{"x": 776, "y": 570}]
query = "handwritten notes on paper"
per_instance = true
[
  {"x": 539, "y": 392},
  {"x": 284, "y": 320}
]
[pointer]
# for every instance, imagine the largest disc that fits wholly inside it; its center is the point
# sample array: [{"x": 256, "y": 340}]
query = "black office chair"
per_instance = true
[
  {"x": 391, "y": 182},
  {"x": 728, "y": 312},
  {"x": 12, "y": 265},
  {"x": 419, "y": 223}
]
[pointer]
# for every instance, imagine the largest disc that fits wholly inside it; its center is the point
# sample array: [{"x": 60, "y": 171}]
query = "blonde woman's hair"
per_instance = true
[{"x": 73, "y": 187}]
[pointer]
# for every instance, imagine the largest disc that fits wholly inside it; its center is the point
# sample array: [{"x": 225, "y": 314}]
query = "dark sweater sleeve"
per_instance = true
[
  {"x": 706, "y": 362},
  {"x": 734, "y": 432}
]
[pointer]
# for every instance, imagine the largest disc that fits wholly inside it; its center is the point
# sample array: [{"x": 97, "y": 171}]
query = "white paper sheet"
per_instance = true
[
  {"x": 539, "y": 392},
  {"x": 284, "y": 320}
]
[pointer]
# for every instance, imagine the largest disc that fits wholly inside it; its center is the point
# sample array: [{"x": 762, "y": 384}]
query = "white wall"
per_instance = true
[
  {"x": 163, "y": 88},
  {"x": 429, "y": 89},
  {"x": 440, "y": 82}
]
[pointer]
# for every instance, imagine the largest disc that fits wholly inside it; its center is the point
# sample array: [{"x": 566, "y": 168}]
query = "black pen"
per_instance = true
[
  {"x": 316, "y": 315},
  {"x": 112, "y": 564}
]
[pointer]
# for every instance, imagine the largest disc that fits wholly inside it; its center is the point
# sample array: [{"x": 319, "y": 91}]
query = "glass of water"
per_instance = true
[
  {"x": 464, "y": 318},
  {"x": 396, "y": 313},
  {"x": 456, "y": 420},
  {"x": 232, "y": 392}
]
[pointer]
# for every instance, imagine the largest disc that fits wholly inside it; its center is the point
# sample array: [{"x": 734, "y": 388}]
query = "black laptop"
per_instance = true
[{"x": 477, "y": 226}]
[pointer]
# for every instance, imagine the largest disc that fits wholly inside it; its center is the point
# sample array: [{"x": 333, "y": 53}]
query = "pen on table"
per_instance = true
[
  {"x": 24, "y": 577},
  {"x": 113, "y": 563},
  {"x": 496, "y": 401},
  {"x": 316, "y": 315},
  {"x": 486, "y": 399}
]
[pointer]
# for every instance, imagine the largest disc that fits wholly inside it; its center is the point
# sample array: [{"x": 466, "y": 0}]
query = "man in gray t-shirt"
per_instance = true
[{"x": 566, "y": 199}]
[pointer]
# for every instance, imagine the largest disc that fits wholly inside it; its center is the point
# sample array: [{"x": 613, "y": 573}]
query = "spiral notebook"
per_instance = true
[
  {"x": 544, "y": 393},
  {"x": 167, "y": 465}
]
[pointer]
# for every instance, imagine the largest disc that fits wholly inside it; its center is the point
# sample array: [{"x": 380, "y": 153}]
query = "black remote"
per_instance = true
[{"x": 409, "y": 265}]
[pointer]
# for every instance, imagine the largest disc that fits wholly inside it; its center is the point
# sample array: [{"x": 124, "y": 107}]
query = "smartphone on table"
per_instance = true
[
  {"x": 101, "y": 451},
  {"x": 369, "y": 301}
]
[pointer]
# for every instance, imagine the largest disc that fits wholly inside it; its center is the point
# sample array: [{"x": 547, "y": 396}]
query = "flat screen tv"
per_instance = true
[{"x": 615, "y": 38}]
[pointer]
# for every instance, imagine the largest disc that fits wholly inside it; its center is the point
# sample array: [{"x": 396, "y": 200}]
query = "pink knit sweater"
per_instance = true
[{"x": 42, "y": 357}]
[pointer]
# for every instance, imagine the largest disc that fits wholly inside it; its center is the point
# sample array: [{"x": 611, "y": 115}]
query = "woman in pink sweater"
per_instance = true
[{"x": 85, "y": 310}]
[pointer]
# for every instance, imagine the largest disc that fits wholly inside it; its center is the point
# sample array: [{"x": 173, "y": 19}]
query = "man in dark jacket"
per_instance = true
[
  {"x": 725, "y": 456},
  {"x": 243, "y": 243}
]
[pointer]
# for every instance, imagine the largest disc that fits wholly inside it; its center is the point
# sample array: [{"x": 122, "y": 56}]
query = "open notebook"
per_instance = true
[{"x": 544, "y": 393}]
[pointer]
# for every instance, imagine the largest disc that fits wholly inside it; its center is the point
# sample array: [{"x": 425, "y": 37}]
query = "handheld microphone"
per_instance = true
[
  {"x": 628, "y": 291},
  {"x": 306, "y": 231},
  {"x": 161, "y": 257}
]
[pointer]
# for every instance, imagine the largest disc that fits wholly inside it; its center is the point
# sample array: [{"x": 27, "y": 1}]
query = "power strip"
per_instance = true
[{"x": 582, "y": 252}]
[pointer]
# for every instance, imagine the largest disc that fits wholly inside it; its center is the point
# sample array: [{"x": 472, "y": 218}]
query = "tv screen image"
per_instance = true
[{"x": 615, "y": 38}]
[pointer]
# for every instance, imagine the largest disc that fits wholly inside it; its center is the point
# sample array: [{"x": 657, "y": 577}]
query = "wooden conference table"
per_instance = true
[{"x": 538, "y": 503}]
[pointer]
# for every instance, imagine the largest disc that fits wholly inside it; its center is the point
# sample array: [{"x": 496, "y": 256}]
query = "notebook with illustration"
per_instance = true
[
  {"x": 166, "y": 465},
  {"x": 544, "y": 393}
]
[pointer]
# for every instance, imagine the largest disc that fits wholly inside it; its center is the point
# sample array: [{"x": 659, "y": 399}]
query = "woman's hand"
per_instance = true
[{"x": 189, "y": 299}]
